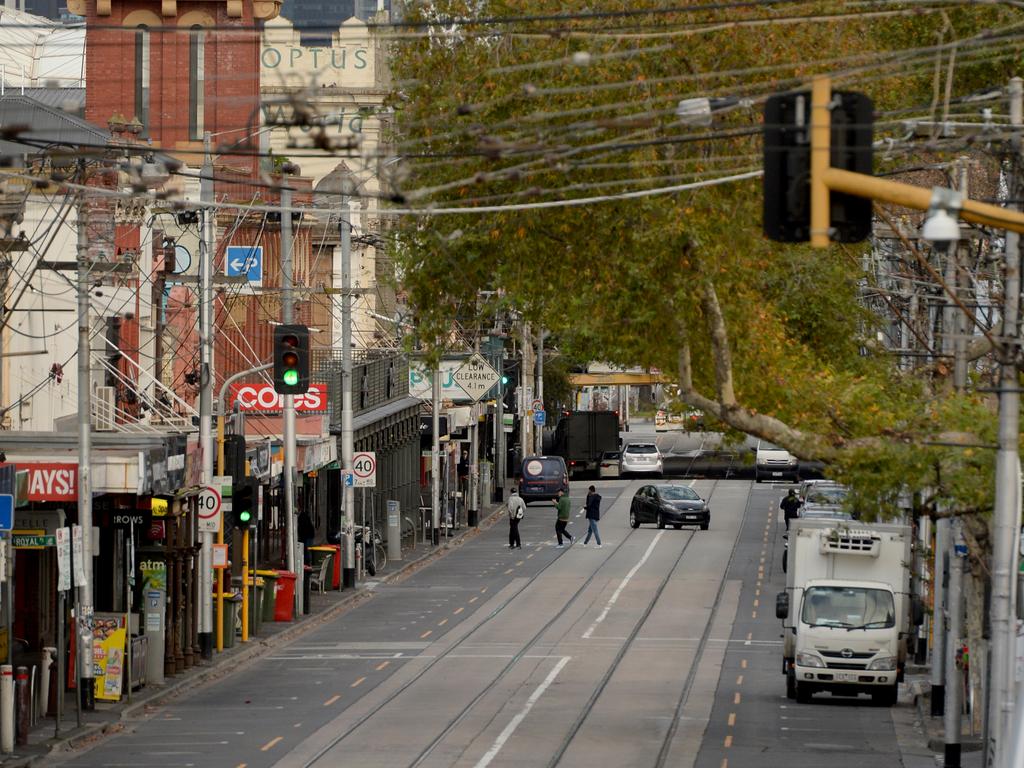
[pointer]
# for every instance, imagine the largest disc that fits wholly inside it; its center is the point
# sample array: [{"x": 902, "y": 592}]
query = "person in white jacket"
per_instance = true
[{"x": 516, "y": 510}]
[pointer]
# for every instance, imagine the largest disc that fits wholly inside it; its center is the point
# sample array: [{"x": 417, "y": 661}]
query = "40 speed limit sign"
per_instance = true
[{"x": 364, "y": 469}]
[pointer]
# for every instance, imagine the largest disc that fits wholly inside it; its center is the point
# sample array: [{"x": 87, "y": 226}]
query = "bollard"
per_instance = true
[
  {"x": 43, "y": 698},
  {"x": 6, "y": 709},
  {"x": 23, "y": 697}
]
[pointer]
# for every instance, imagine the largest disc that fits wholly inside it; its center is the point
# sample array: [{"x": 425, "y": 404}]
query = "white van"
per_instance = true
[{"x": 774, "y": 463}]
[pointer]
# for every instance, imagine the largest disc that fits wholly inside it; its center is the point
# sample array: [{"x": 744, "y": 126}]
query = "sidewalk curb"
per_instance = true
[
  {"x": 218, "y": 668},
  {"x": 932, "y": 727}
]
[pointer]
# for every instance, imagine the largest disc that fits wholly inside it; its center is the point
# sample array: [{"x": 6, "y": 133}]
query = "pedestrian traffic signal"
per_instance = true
[
  {"x": 787, "y": 166},
  {"x": 243, "y": 503},
  {"x": 291, "y": 359}
]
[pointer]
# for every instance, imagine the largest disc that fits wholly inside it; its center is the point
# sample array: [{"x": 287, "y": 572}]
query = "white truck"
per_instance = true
[{"x": 847, "y": 611}]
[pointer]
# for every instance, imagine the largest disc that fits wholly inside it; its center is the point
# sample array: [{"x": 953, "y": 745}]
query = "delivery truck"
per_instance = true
[
  {"x": 582, "y": 436},
  {"x": 847, "y": 612}
]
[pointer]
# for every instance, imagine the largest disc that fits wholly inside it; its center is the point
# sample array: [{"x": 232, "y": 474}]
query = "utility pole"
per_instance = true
[
  {"x": 539, "y": 448},
  {"x": 526, "y": 389},
  {"x": 206, "y": 247},
  {"x": 435, "y": 456},
  {"x": 1006, "y": 528},
  {"x": 499, "y": 437},
  {"x": 938, "y": 672},
  {"x": 84, "y": 611},
  {"x": 287, "y": 317},
  {"x": 347, "y": 439}
]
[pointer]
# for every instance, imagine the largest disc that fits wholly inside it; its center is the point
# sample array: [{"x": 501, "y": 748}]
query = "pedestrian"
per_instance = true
[
  {"x": 306, "y": 534},
  {"x": 790, "y": 506},
  {"x": 593, "y": 509},
  {"x": 562, "y": 505},
  {"x": 516, "y": 510}
]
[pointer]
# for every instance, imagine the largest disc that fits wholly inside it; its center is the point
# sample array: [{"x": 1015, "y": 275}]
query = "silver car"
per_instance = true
[{"x": 642, "y": 458}]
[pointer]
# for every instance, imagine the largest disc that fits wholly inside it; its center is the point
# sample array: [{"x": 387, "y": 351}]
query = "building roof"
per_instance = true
[
  {"x": 43, "y": 126},
  {"x": 37, "y": 52}
]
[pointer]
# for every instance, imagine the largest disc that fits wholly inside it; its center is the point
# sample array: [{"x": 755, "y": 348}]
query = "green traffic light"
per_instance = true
[
  {"x": 245, "y": 516},
  {"x": 291, "y": 377}
]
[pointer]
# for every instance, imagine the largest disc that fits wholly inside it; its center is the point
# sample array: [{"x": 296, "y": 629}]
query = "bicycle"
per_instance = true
[{"x": 375, "y": 556}]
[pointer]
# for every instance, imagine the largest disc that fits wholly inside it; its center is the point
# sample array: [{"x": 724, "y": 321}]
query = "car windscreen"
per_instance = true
[
  {"x": 848, "y": 607},
  {"x": 543, "y": 467},
  {"x": 641, "y": 448},
  {"x": 677, "y": 493}
]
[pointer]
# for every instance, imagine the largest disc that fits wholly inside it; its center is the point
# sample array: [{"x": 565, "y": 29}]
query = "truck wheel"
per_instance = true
[
  {"x": 885, "y": 697},
  {"x": 803, "y": 693},
  {"x": 790, "y": 684}
]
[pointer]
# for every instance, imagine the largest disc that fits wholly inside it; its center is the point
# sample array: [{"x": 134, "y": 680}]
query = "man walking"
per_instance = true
[
  {"x": 516, "y": 510},
  {"x": 790, "y": 506},
  {"x": 593, "y": 507},
  {"x": 562, "y": 505}
]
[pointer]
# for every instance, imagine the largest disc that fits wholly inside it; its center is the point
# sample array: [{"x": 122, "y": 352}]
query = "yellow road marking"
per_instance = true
[
  {"x": 750, "y": 635},
  {"x": 241, "y": 765},
  {"x": 530, "y": 555},
  {"x": 457, "y": 611},
  {"x": 753, "y": 614},
  {"x": 732, "y": 719},
  {"x": 743, "y": 663},
  {"x": 736, "y": 698},
  {"x": 728, "y": 741},
  {"x": 757, "y": 593},
  {"x": 442, "y": 622},
  {"x": 270, "y": 744},
  {"x": 739, "y": 680},
  {"x": 508, "y": 571},
  {"x": 381, "y": 666},
  {"x": 428, "y": 633},
  {"x": 757, "y": 603},
  {"x": 332, "y": 700},
  {"x": 725, "y": 763},
  {"x": 520, "y": 562},
  {"x": 473, "y": 599},
  {"x": 358, "y": 682},
  {"x": 483, "y": 590}
]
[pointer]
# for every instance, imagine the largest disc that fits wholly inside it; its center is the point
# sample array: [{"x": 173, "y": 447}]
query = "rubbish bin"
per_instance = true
[
  {"x": 319, "y": 552},
  {"x": 284, "y": 596},
  {"x": 256, "y": 609},
  {"x": 269, "y": 592},
  {"x": 307, "y": 573},
  {"x": 232, "y": 605}
]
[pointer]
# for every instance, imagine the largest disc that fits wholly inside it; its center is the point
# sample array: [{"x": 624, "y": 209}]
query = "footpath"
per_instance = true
[
  {"x": 108, "y": 718},
  {"x": 921, "y": 736}
]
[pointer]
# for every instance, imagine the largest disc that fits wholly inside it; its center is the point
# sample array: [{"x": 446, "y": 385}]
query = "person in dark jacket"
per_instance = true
[
  {"x": 593, "y": 508},
  {"x": 790, "y": 506}
]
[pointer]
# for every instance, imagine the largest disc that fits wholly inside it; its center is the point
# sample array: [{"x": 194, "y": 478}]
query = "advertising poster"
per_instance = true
[{"x": 109, "y": 635}]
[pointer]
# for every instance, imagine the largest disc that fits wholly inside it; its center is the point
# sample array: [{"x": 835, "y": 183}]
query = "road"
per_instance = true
[{"x": 659, "y": 649}]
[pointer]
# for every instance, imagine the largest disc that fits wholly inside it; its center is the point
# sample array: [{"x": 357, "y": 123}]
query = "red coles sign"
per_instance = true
[
  {"x": 263, "y": 398},
  {"x": 52, "y": 482}
]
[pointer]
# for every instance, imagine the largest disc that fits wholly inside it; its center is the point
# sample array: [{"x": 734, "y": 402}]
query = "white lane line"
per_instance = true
[
  {"x": 506, "y": 734},
  {"x": 615, "y": 595}
]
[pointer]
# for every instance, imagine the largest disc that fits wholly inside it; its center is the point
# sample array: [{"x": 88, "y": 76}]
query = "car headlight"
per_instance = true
[
  {"x": 883, "y": 664},
  {"x": 809, "y": 660}
]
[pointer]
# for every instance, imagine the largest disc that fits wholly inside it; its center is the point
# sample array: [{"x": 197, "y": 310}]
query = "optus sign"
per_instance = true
[
  {"x": 261, "y": 398},
  {"x": 52, "y": 482}
]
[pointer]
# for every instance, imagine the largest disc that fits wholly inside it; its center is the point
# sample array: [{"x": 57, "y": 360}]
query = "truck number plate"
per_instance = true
[{"x": 846, "y": 677}]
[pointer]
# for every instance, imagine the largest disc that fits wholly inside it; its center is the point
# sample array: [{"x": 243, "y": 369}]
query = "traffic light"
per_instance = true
[
  {"x": 243, "y": 503},
  {"x": 291, "y": 359},
  {"x": 787, "y": 166}
]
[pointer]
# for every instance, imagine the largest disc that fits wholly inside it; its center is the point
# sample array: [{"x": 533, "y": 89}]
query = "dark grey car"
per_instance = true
[{"x": 675, "y": 505}]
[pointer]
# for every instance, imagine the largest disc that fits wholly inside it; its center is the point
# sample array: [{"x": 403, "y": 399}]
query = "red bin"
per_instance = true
[{"x": 284, "y": 596}]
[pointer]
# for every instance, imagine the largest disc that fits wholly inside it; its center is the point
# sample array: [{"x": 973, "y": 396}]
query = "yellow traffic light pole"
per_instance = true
[{"x": 825, "y": 179}]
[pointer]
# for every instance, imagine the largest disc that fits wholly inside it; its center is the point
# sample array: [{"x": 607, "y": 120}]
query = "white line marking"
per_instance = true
[
  {"x": 615, "y": 595},
  {"x": 506, "y": 734}
]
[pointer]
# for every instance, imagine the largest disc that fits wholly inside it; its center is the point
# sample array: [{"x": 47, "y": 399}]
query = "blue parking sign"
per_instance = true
[{"x": 245, "y": 261}]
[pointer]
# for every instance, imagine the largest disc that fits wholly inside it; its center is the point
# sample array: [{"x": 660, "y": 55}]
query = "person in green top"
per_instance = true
[{"x": 562, "y": 504}]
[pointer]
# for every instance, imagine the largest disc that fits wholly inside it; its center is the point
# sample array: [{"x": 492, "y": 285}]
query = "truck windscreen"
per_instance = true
[{"x": 848, "y": 607}]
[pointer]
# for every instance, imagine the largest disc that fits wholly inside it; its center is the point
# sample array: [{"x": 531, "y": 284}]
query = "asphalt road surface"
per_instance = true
[{"x": 659, "y": 649}]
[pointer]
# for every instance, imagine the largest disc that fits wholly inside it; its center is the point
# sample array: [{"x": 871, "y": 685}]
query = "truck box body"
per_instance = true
[
  {"x": 582, "y": 436},
  {"x": 849, "y": 607}
]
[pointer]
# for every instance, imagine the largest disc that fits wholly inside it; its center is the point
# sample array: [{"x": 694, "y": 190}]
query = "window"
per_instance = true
[
  {"x": 142, "y": 63},
  {"x": 196, "y": 82}
]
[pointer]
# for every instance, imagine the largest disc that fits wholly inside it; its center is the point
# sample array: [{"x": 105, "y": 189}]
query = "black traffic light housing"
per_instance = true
[
  {"x": 787, "y": 166},
  {"x": 291, "y": 359},
  {"x": 243, "y": 503}
]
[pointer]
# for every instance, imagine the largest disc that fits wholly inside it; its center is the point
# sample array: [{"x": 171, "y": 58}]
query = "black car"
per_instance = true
[{"x": 675, "y": 505}]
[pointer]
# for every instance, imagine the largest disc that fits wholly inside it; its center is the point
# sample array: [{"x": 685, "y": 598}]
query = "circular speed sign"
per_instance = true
[
  {"x": 364, "y": 465},
  {"x": 209, "y": 503}
]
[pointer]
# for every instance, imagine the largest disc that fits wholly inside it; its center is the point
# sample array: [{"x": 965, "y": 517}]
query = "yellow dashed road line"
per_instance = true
[
  {"x": 381, "y": 666},
  {"x": 732, "y": 719},
  {"x": 426, "y": 634},
  {"x": 358, "y": 682},
  {"x": 332, "y": 700},
  {"x": 270, "y": 744}
]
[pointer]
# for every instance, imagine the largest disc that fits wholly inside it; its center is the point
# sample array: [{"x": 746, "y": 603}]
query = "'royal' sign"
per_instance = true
[
  {"x": 52, "y": 482},
  {"x": 261, "y": 398}
]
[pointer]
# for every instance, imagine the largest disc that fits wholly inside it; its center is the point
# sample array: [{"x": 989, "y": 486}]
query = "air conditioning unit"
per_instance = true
[{"x": 103, "y": 409}]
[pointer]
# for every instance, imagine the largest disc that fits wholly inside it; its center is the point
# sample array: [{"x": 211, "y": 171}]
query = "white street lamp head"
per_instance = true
[{"x": 941, "y": 230}]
